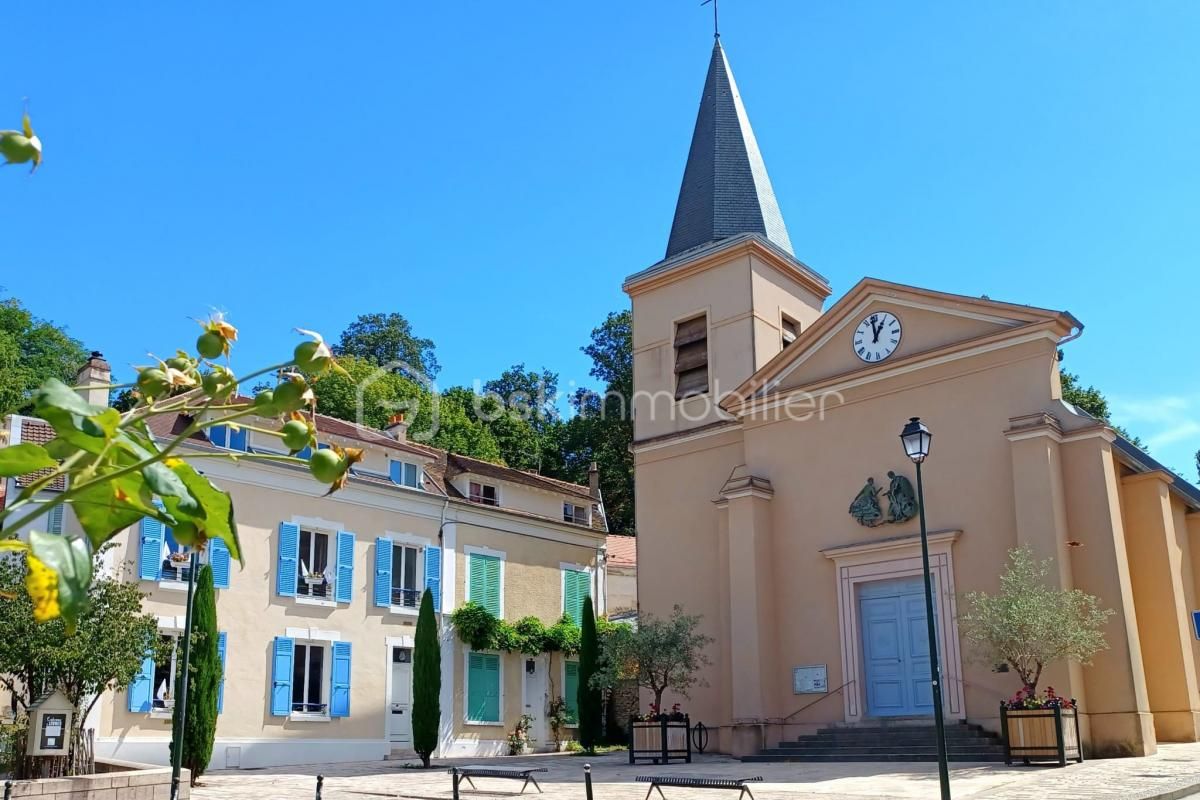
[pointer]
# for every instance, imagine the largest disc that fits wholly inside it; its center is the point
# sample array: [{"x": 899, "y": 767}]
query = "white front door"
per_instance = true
[
  {"x": 535, "y": 700},
  {"x": 400, "y": 704}
]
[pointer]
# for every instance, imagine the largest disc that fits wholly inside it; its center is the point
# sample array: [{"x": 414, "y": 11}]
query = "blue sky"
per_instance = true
[{"x": 493, "y": 170}]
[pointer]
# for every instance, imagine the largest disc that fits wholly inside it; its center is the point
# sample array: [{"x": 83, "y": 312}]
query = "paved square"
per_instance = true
[{"x": 1172, "y": 773}]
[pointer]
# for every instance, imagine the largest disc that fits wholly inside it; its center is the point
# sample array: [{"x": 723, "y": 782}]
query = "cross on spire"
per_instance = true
[{"x": 716, "y": 17}]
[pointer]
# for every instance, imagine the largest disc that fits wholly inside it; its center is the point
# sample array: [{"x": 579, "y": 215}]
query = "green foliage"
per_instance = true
[
  {"x": 482, "y": 630},
  {"x": 370, "y": 395},
  {"x": 457, "y": 432},
  {"x": 1030, "y": 625},
  {"x": 204, "y": 680},
  {"x": 1198, "y": 465},
  {"x": 1091, "y": 400},
  {"x": 117, "y": 472},
  {"x": 659, "y": 654},
  {"x": 589, "y": 701},
  {"x": 111, "y": 639},
  {"x": 427, "y": 682},
  {"x": 559, "y": 717},
  {"x": 386, "y": 340},
  {"x": 32, "y": 350},
  {"x": 530, "y": 636},
  {"x": 563, "y": 636},
  {"x": 476, "y": 626}
]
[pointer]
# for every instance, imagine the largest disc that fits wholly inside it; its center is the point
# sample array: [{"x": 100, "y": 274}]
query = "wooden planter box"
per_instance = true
[
  {"x": 660, "y": 742},
  {"x": 1041, "y": 734}
]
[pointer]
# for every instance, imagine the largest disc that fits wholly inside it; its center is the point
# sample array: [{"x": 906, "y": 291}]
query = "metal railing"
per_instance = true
[{"x": 406, "y": 598}]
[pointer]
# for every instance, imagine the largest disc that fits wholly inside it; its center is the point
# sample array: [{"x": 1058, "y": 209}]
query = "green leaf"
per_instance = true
[
  {"x": 71, "y": 559},
  {"x": 103, "y": 424},
  {"x": 163, "y": 481},
  {"x": 73, "y": 419},
  {"x": 60, "y": 448},
  {"x": 21, "y": 459},
  {"x": 112, "y": 505},
  {"x": 215, "y": 515}
]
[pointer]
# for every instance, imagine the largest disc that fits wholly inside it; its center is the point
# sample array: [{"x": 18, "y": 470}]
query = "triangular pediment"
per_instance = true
[{"x": 927, "y": 324}]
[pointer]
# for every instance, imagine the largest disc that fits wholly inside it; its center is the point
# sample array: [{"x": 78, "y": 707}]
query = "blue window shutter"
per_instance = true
[
  {"x": 221, "y": 645},
  {"x": 410, "y": 475},
  {"x": 383, "y": 572},
  {"x": 140, "y": 691},
  {"x": 433, "y": 575},
  {"x": 396, "y": 471},
  {"x": 54, "y": 522},
  {"x": 150, "y": 550},
  {"x": 306, "y": 453},
  {"x": 239, "y": 439},
  {"x": 281, "y": 676},
  {"x": 218, "y": 559},
  {"x": 289, "y": 547},
  {"x": 219, "y": 435},
  {"x": 339, "y": 689},
  {"x": 343, "y": 590}
]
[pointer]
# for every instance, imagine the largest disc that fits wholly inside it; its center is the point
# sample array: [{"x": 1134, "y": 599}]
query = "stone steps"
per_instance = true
[{"x": 901, "y": 742}]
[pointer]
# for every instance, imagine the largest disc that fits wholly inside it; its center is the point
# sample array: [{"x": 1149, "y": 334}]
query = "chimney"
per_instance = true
[
  {"x": 96, "y": 372},
  {"x": 397, "y": 428},
  {"x": 594, "y": 481}
]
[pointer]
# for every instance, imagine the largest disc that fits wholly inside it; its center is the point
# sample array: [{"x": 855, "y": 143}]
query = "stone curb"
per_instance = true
[{"x": 1175, "y": 794}]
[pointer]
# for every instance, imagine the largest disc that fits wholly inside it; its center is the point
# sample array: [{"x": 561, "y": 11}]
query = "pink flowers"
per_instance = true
[{"x": 1029, "y": 699}]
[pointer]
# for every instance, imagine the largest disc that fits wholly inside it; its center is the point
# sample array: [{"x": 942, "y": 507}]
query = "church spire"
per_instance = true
[{"x": 725, "y": 190}]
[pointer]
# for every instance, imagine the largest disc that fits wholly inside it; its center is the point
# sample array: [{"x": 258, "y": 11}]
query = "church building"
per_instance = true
[{"x": 762, "y": 408}]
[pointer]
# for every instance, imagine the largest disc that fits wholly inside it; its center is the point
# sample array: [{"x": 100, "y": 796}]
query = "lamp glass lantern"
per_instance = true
[{"x": 916, "y": 438}]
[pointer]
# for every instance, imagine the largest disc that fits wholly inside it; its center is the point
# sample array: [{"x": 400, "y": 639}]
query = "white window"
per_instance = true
[
  {"x": 163, "y": 687},
  {"x": 316, "y": 573},
  {"x": 308, "y": 680},
  {"x": 789, "y": 330},
  {"x": 484, "y": 493},
  {"x": 577, "y": 515},
  {"x": 405, "y": 474},
  {"x": 406, "y": 576}
]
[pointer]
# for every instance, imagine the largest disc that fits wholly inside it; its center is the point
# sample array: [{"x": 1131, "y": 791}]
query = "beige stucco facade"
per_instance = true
[
  {"x": 743, "y": 491},
  {"x": 525, "y": 530}
]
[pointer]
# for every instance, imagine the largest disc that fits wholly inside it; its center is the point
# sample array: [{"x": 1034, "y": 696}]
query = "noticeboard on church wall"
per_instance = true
[
  {"x": 1196, "y": 623},
  {"x": 810, "y": 679}
]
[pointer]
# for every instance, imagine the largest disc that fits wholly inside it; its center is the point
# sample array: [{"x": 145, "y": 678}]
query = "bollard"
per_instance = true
[
  {"x": 454, "y": 781},
  {"x": 8, "y": 790},
  {"x": 320, "y": 783},
  {"x": 587, "y": 780}
]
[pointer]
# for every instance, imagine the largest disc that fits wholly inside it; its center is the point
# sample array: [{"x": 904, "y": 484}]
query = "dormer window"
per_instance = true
[
  {"x": 230, "y": 438},
  {"x": 484, "y": 494},
  {"x": 691, "y": 357},
  {"x": 405, "y": 474},
  {"x": 576, "y": 515},
  {"x": 789, "y": 329}
]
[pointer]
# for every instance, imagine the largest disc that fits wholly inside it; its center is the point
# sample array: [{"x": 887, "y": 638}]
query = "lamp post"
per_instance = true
[
  {"x": 179, "y": 718},
  {"x": 916, "y": 439}
]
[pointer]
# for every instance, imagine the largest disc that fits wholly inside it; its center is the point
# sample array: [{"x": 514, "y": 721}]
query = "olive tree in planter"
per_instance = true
[{"x": 1029, "y": 625}]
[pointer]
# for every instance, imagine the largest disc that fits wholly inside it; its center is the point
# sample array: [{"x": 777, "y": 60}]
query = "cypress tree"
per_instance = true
[
  {"x": 200, "y": 724},
  {"x": 427, "y": 682},
  {"x": 589, "y": 701}
]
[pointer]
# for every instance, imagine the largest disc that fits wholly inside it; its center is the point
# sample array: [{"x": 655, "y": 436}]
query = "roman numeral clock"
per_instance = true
[{"x": 877, "y": 337}]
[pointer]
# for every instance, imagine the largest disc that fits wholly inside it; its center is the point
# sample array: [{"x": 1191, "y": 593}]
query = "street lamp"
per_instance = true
[{"x": 916, "y": 439}]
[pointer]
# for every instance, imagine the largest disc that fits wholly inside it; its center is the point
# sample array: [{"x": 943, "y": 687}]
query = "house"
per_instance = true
[
  {"x": 761, "y": 414},
  {"x": 620, "y": 569},
  {"x": 317, "y": 629}
]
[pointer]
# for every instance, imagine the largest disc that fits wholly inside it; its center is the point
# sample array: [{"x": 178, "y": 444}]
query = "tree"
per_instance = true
[
  {"x": 602, "y": 428},
  {"x": 31, "y": 351},
  {"x": 427, "y": 682},
  {"x": 370, "y": 395},
  {"x": 659, "y": 654},
  {"x": 588, "y": 699},
  {"x": 111, "y": 640},
  {"x": 1198, "y": 465},
  {"x": 532, "y": 395},
  {"x": 386, "y": 340},
  {"x": 1091, "y": 400},
  {"x": 1030, "y": 625},
  {"x": 204, "y": 680}
]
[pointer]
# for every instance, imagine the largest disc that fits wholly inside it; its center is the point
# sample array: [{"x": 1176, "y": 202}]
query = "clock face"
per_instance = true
[{"x": 877, "y": 337}]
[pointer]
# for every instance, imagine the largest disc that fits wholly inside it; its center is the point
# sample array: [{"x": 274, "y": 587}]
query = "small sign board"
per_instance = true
[
  {"x": 810, "y": 679},
  {"x": 50, "y": 731},
  {"x": 1196, "y": 623}
]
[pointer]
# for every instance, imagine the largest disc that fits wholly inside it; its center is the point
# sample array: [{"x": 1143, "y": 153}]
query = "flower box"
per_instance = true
[
  {"x": 1041, "y": 734},
  {"x": 314, "y": 580},
  {"x": 660, "y": 741}
]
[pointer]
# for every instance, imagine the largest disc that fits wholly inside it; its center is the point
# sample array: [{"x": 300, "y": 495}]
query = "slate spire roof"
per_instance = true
[{"x": 725, "y": 189}]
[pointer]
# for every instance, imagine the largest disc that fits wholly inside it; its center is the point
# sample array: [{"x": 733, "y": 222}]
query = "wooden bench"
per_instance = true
[
  {"x": 658, "y": 781},
  {"x": 469, "y": 772}
]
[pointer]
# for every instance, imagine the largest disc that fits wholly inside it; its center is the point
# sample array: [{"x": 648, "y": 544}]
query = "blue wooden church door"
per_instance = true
[{"x": 895, "y": 648}]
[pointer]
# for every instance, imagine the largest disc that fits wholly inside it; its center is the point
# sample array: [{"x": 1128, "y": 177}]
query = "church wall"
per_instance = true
[
  {"x": 816, "y": 468},
  {"x": 776, "y": 294},
  {"x": 680, "y": 558}
]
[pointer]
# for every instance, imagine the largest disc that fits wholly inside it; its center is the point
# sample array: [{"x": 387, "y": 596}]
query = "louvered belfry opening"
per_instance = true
[{"x": 691, "y": 357}]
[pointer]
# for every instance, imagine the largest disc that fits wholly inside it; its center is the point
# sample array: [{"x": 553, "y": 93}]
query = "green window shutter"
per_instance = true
[
  {"x": 571, "y": 690},
  {"x": 483, "y": 687},
  {"x": 485, "y": 583},
  {"x": 577, "y": 586}
]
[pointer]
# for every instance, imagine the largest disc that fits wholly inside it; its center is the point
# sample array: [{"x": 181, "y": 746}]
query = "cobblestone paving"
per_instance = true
[{"x": 1172, "y": 774}]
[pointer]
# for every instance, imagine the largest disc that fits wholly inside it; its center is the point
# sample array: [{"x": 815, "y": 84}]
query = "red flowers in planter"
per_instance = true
[{"x": 1026, "y": 699}]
